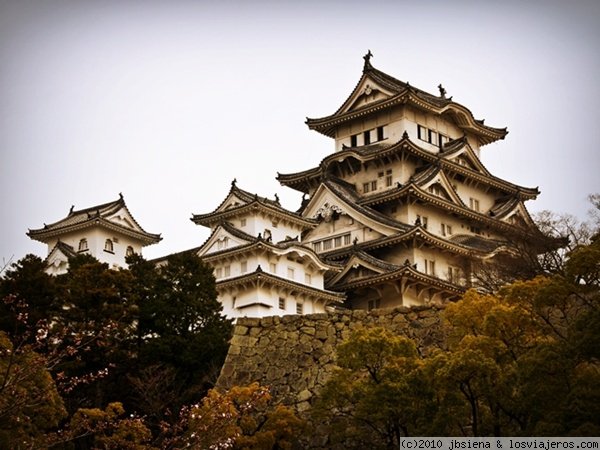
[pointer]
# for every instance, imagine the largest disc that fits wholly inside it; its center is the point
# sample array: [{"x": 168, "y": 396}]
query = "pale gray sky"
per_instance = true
[{"x": 168, "y": 101}]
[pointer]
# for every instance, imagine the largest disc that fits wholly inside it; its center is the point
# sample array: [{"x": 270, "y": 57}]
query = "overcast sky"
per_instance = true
[{"x": 168, "y": 101}]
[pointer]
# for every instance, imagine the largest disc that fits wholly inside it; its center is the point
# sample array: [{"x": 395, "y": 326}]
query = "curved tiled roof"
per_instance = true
[
  {"x": 251, "y": 201},
  {"x": 348, "y": 193},
  {"x": 257, "y": 242},
  {"x": 326, "y": 295},
  {"x": 405, "y": 271},
  {"x": 403, "y": 93},
  {"x": 299, "y": 180},
  {"x": 95, "y": 215}
]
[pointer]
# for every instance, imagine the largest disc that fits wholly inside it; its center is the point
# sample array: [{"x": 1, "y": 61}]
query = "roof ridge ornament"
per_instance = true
[
  {"x": 71, "y": 210},
  {"x": 233, "y": 182},
  {"x": 367, "y": 58},
  {"x": 442, "y": 91},
  {"x": 120, "y": 196}
]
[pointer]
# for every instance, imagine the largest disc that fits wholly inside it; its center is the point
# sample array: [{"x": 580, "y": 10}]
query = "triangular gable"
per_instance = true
[
  {"x": 324, "y": 203},
  {"x": 466, "y": 157},
  {"x": 440, "y": 186},
  {"x": 519, "y": 216},
  {"x": 231, "y": 201},
  {"x": 357, "y": 268},
  {"x": 220, "y": 240},
  {"x": 124, "y": 218},
  {"x": 366, "y": 92}
]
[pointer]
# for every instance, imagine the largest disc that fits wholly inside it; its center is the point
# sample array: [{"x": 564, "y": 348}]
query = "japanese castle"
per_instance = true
[{"x": 399, "y": 214}]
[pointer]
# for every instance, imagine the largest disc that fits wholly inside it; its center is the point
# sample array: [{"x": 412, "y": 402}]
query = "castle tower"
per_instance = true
[
  {"x": 260, "y": 267},
  {"x": 108, "y": 232},
  {"x": 404, "y": 203}
]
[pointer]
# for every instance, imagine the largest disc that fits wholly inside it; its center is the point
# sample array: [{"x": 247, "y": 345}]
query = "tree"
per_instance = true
[
  {"x": 243, "y": 417},
  {"x": 378, "y": 394},
  {"x": 30, "y": 404},
  {"x": 182, "y": 336}
]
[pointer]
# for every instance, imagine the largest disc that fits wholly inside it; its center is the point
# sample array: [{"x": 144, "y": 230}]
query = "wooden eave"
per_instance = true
[
  {"x": 406, "y": 271},
  {"x": 417, "y": 233},
  {"x": 303, "y": 181},
  {"x": 253, "y": 207},
  {"x": 260, "y": 244},
  {"x": 461, "y": 115},
  {"x": 274, "y": 280},
  {"x": 43, "y": 235}
]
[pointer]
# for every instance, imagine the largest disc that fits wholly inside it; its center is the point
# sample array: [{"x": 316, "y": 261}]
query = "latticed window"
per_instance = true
[{"x": 83, "y": 245}]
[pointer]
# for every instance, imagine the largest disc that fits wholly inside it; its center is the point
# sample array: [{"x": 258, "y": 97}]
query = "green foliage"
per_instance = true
[
  {"x": 522, "y": 361},
  {"x": 378, "y": 394},
  {"x": 111, "y": 335}
]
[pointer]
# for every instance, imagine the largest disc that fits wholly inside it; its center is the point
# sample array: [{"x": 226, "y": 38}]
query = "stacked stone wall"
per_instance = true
[{"x": 295, "y": 355}]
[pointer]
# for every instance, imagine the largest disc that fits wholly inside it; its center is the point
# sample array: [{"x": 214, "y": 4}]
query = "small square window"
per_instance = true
[
  {"x": 299, "y": 308},
  {"x": 281, "y": 303}
]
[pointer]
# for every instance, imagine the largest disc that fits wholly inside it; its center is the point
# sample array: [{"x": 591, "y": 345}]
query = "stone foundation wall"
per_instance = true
[{"x": 294, "y": 355}]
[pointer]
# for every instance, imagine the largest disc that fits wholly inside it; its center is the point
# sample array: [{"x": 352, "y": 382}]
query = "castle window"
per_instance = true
[
  {"x": 83, "y": 245},
  {"x": 290, "y": 273},
  {"x": 233, "y": 299},
  {"x": 366, "y": 187},
  {"x": 317, "y": 246},
  {"x": 244, "y": 266},
  {"x": 327, "y": 244},
  {"x": 243, "y": 222},
  {"x": 354, "y": 140},
  {"x": 474, "y": 204},
  {"x": 108, "y": 246},
  {"x": 422, "y": 133},
  {"x": 347, "y": 239},
  {"x": 218, "y": 272},
  {"x": 380, "y": 134},
  {"x": 337, "y": 242},
  {"x": 227, "y": 271},
  {"x": 433, "y": 137},
  {"x": 298, "y": 308},
  {"x": 429, "y": 267},
  {"x": 423, "y": 221},
  {"x": 281, "y": 303},
  {"x": 443, "y": 140},
  {"x": 308, "y": 278},
  {"x": 374, "y": 185},
  {"x": 388, "y": 177},
  {"x": 446, "y": 229},
  {"x": 367, "y": 137},
  {"x": 273, "y": 267},
  {"x": 129, "y": 251},
  {"x": 453, "y": 274},
  {"x": 380, "y": 174}
]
